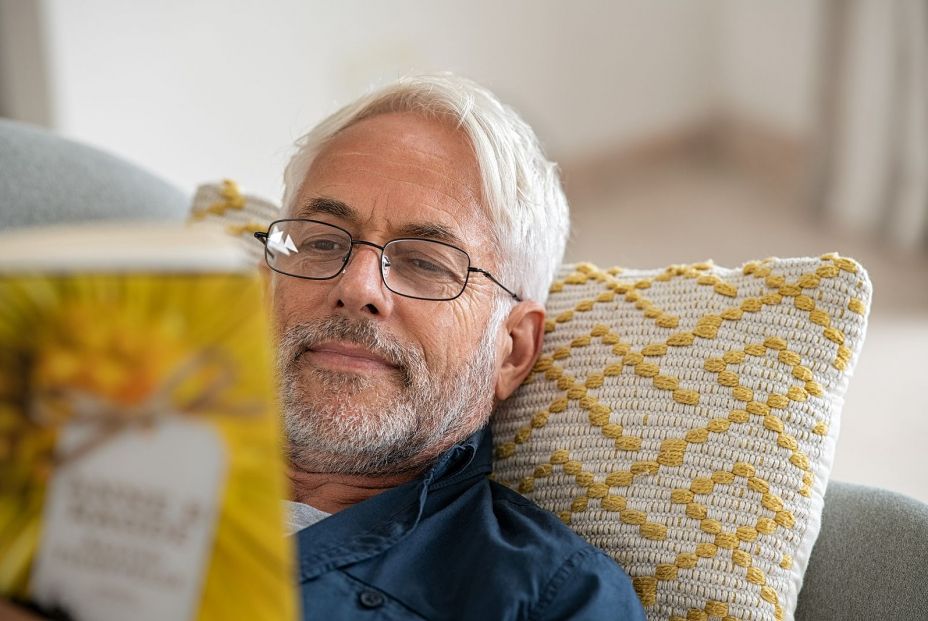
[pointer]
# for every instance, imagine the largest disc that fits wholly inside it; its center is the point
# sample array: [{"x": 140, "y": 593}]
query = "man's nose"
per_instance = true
[{"x": 360, "y": 288}]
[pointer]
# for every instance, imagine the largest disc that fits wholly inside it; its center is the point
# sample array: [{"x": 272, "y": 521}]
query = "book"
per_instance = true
[{"x": 141, "y": 455}]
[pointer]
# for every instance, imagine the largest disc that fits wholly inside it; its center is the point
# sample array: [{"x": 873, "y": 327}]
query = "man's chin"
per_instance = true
[{"x": 336, "y": 437}]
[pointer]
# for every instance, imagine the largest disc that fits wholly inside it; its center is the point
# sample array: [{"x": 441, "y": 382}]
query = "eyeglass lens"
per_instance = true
[{"x": 412, "y": 267}]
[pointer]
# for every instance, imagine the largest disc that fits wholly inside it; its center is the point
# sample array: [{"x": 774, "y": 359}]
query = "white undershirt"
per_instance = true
[{"x": 300, "y": 516}]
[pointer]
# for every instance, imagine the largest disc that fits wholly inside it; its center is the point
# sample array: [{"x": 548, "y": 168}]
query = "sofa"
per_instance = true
[{"x": 871, "y": 556}]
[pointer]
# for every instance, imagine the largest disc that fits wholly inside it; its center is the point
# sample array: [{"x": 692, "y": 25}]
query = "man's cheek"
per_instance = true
[
  {"x": 288, "y": 307},
  {"x": 277, "y": 302}
]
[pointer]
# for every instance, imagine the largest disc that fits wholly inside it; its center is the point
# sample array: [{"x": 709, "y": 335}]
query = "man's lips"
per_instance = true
[{"x": 338, "y": 355}]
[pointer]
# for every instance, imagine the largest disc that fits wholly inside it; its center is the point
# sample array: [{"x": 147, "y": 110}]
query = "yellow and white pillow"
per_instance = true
[
  {"x": 240, "y": 214},
  {"x": 684, "y": 420}
]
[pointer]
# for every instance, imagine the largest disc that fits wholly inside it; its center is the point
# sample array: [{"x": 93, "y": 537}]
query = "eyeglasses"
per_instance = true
[{"x": 423, "y": 269}]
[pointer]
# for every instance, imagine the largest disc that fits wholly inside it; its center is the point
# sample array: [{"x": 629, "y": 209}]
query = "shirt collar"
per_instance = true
[
  {"x": 466, "y": 459},
  {"x": 376, "y": 524}
]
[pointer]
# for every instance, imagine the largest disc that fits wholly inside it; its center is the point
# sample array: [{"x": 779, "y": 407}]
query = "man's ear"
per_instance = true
[{"x": 525, "y": 329}]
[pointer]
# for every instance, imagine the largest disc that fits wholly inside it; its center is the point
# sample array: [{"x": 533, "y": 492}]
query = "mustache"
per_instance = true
[{"x": 301, "y": 337}]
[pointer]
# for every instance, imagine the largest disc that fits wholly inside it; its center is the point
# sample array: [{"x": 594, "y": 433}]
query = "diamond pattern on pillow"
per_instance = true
[
  {"x": 240, "y": 214},
  {"x": 684, "y": 420}
]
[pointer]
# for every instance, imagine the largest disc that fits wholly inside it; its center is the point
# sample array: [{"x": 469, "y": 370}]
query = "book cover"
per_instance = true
[{"x": 141, "y": 469}]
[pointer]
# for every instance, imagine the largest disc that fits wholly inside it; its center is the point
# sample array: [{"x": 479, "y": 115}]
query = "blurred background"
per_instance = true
[{"x": 706, "y": 129}]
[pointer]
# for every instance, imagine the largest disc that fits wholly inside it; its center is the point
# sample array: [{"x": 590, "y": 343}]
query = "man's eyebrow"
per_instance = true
[
  {"x": 330, "y": 206},
  {"x": 338, "y": 209},
  {"x": 437, "y": 232}
]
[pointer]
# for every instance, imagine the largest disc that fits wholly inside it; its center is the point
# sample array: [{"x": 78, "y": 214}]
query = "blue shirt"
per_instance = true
[{"x": 452, "y": 544}]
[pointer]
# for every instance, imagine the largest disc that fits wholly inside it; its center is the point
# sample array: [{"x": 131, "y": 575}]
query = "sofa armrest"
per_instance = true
[{"x": 870, "y": 559}]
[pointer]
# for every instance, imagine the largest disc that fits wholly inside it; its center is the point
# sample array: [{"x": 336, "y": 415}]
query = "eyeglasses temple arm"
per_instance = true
[
  {"x": 490, "y": 276},
  {"x": 261, "y": 236}
]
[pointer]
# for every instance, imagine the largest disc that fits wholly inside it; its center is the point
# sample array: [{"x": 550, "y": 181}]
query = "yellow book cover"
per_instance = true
[{"x": 141, "y": 462}]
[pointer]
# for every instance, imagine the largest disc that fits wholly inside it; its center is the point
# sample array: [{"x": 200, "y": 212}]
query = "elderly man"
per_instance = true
[{"x": 423, "y": 228}]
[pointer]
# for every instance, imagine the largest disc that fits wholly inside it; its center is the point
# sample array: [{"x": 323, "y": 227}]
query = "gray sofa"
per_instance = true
[
  {"x": 871, "y": 558},
  {"x": 45, "y": 179}
]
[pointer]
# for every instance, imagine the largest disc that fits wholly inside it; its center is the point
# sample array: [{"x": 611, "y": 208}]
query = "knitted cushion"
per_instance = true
[
  {"x": 684, "y": 420},
  {"x": 240, "y": 214}
]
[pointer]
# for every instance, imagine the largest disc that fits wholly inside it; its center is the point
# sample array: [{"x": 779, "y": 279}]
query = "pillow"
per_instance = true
[
  {"x": 240, "y": 214},
  {"x": 684, "y": 421}
]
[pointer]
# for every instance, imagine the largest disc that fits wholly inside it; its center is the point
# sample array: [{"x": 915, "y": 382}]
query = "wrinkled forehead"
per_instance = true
[{"x": 402, "y": 167}]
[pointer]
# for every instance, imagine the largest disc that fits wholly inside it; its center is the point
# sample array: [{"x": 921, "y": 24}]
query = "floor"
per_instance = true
[{"x": 688, "y": 211}]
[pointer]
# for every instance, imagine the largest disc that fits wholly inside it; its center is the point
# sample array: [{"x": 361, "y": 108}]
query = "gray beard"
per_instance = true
[{"x": 334, "y": 432}]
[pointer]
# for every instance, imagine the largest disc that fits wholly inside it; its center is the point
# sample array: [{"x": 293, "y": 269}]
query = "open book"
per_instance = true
[{"x": 141, "y": 470}]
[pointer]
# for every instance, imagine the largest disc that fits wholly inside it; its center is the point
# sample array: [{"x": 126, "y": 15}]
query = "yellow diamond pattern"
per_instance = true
[{"x": 682, "y": 419}]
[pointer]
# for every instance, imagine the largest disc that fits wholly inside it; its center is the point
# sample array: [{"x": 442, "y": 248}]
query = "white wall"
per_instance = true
[
  {"x": 23, "y": 75},
  {"x": 768, "y": 55},
  {"x": 201, "y": 90}
]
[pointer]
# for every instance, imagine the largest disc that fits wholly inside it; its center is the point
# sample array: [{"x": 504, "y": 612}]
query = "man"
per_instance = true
[{"x": 423, "y": 228}]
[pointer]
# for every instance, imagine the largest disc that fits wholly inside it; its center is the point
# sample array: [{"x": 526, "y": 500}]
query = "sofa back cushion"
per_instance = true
[{"x": 46, "y": 179}]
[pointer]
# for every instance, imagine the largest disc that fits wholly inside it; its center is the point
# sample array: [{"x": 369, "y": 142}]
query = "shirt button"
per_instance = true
[{"x": 371, "y": 599}]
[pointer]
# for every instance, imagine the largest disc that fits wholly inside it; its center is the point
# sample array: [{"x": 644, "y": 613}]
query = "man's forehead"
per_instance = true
[
  {"x": 420, "y": 174},
  {"x": 406, "y": 144},
  {"x": 433, "y": 139}
]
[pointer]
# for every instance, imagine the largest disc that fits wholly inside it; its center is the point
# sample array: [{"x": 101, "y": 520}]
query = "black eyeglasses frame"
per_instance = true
[{"x": 262, "y": 236}]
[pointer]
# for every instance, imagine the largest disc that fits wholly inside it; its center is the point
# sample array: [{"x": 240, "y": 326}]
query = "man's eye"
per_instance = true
[
  {"x": 323, "y": 245},
  {"x": 425, "y": 267}
]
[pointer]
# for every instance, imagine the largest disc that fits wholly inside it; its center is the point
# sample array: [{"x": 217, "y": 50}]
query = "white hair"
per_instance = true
[{"x": 521, "y": 188}]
